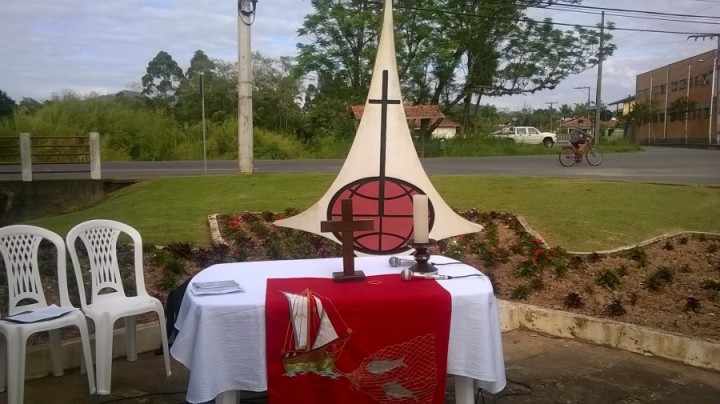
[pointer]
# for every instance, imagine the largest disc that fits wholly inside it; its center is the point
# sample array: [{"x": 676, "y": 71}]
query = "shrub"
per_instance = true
[
  {"x": 662, "y": 277},
  {"x": 609, "y": 278},
  {"x": 521, "y": 292},
  {"x": 638, "y": 255},
  {"x": 710, "y": 284},
  {"x": 180, "y": 250},
  {"x": 573, "y": 301},
  {"x": 692, "y": 304},
  {"x": 615, "y": 308}
]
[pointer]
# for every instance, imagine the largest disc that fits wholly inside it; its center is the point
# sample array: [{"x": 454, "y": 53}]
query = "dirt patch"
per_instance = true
[{"x": 672, "y": 284}]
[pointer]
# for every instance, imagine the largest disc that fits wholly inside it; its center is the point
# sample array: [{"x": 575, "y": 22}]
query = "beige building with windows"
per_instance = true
[{"x": 665, "y": 88}]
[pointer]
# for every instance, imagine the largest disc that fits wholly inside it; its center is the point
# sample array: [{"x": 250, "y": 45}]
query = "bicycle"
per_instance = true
[{"x": 569, "y": 156}]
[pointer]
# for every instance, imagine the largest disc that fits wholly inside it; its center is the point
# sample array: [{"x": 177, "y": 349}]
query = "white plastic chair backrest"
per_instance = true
[
  {"x": 100, "y": 239},
  {"x": 19, "y": 245}
]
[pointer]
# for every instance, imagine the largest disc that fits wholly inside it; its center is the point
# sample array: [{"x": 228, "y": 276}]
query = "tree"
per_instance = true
[
  {"x": 276, "y": 93},
  {"x": 680, "y": 107},
  {"x": 450, "y": 52},
  {"x": 188, "y": 95},
  {"x": 161, "y": 78},
  {"x": 200, "y": 64},
  {"x": 28, "y": 105},
  {"x": 7, "y": 104},
  {"x": 640, "y": 114},
  {"x": 566, "y": 111}
]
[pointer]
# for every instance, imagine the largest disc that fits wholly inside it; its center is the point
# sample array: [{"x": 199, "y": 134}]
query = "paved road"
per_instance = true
[{"x": 655, "y": 164}]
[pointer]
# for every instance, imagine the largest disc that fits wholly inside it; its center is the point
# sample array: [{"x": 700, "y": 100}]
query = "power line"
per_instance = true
[
  {"x": 548, "y": 21},
  {"x": 626, "y": 11},
  {"x": 638, "y": 17}
]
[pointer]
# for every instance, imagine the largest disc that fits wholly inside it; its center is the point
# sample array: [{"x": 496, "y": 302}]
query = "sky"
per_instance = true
[{"x": 104, "y": 46}]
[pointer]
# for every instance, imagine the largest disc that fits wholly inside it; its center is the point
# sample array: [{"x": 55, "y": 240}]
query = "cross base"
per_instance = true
[{"x": 353, "y": 277}]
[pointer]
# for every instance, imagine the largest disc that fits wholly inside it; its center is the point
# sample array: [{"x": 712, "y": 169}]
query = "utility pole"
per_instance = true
[
  {"x": 598, "y": 91},
  {"x": 551, "y": 114},
  {"x": 246, "y": 16},
  {"x": 714, "y": 116}
]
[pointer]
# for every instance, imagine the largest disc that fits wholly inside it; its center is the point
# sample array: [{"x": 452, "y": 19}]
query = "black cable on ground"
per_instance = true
[{"x": 481, "y": 395}]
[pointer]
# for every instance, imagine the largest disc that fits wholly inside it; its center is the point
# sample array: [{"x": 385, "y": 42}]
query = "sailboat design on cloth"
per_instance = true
[
  {"x": 382, "y": 171},
  {"x": 312, "y": 341}
]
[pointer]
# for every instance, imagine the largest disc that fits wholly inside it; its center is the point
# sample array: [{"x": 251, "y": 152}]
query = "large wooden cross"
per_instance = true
[{"x": 346, "y": 226}]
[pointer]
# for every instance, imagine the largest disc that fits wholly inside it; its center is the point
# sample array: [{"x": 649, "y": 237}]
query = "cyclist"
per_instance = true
[{"x": 577, "y": 137}]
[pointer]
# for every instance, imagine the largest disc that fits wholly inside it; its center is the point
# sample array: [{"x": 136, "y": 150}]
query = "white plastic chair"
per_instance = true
[
  {"x": 108, "y": 301},
  {"x": 19, "y": 245}
]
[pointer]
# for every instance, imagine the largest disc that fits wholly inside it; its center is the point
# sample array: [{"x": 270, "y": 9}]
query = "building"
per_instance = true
[
  {"x": 627, "y": 104},
  {"x": 664, "y": 89},
  {"x": 415, "y": 114}
]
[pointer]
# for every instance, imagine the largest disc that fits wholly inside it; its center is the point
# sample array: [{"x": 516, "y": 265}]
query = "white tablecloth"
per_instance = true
[{"x": 221, "y": 338}]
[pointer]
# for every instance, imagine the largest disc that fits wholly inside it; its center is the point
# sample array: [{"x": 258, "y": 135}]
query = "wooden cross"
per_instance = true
[{"x": 346, "y": 226}]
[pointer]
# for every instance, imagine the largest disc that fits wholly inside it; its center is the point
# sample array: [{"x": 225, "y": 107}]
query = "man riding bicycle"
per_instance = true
[{"x": 577, "y": 137}]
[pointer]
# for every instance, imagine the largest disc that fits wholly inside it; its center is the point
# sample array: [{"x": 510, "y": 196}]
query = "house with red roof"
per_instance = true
[{"x": 445, "y": 128}]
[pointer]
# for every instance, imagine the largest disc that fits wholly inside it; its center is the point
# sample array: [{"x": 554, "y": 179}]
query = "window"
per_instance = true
[
  {"x": 682, "y": 84},
  {"x": 663, "y": 89},
  {"x": 532, "y": 131},
  {"x": 707, "y": 112},
  {"x": 661, "y": 118},
  {"x": 656, "y": 90},
  {"x": 521, "y": 131},
  {"x": 674, "y": 86}
]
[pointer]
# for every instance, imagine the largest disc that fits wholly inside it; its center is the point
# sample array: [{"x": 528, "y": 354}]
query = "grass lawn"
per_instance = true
[{"x": 577, "y": 214}]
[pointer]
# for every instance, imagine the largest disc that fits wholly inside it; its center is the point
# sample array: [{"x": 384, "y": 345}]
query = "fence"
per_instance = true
[{"x": 29, "y": 152}]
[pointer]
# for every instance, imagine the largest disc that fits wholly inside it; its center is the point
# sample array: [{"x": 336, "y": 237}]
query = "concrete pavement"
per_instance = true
[{"x": 540, "y": 369}]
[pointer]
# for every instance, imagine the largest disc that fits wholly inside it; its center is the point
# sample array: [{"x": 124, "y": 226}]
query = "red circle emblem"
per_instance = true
[{"x": 386, "y": 201}]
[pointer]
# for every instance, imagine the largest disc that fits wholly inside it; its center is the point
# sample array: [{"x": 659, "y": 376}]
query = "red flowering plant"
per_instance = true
[{"x": 535, "y": 257}]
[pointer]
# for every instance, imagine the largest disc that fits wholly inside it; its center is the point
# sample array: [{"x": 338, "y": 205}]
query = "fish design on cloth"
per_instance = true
[
  {"x": 382, "y": 171},
  {"x": 359, "y": 342}
]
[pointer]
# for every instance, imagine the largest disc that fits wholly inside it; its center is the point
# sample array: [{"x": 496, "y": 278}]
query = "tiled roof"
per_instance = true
[
  {"x": 411, "y": 112},
  {"x": 585, "y": 123}
]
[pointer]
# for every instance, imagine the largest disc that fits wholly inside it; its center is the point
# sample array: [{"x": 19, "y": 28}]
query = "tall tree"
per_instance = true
[
  {"x": 449, "y": 51},
  {"x": 7, "y": 104},
  {"x": 200, "y": 64},
  {"x": 277, "y": 93},
  {"x": 161, "y": 79}
]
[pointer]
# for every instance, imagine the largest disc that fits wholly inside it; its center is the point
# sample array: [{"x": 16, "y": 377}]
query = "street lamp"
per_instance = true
[
  {"x": 583, "y": 88},
  {"x": 687, "y": 98},
  {"x": 587, "y": 106},
  {"x": 247, "y": 7},
  {"x": 202, "y": 103}
]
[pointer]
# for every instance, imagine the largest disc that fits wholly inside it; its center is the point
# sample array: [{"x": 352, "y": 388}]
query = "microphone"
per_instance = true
[
  {"x": 408, "y": 275},
  {"x": 396, "y": 262}
]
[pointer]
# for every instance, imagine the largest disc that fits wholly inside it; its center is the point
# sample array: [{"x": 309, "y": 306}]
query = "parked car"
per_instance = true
[{"x": 526, "y": 134}]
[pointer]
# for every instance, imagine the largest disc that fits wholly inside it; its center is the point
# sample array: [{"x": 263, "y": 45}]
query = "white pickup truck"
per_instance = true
[{"x": 526, "y": 134}]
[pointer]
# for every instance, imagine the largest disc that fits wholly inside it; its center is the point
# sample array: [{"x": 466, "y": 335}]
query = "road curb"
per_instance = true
[{"x": 629, "y": 337}]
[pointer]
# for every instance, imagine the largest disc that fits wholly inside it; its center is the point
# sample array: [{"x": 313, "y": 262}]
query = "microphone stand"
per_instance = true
[{"x": 422, "y": 257}]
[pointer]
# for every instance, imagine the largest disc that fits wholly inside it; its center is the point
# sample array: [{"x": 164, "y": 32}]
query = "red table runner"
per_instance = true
[{"x": 383, "y": 340}]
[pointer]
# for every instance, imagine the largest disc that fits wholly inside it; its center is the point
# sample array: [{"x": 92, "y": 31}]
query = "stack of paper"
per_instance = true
[
  {"x": 47, "y": 313},
  {"x": 215, "y": 287}
]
